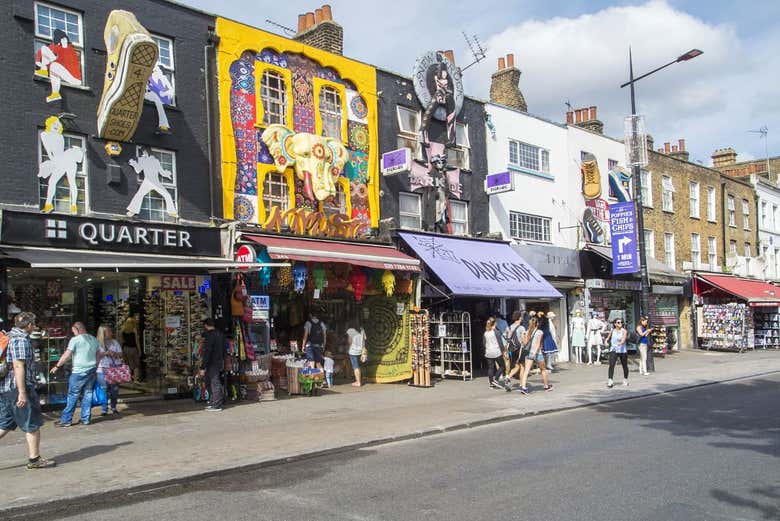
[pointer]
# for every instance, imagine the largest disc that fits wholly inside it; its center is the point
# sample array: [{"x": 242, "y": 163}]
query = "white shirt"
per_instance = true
[
  {"x": 328, "y": 364},
  {"x": 113, "y": 347},
  {"x": 356, "y": 341},
  {"x": 492, "y": 348}
]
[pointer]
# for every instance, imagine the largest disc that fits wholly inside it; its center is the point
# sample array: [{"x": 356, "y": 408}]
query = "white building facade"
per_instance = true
[{"x": 768, "y": 204}]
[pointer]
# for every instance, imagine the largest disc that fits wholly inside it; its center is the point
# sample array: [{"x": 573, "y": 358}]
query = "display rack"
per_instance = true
[
  {"x": 419, "y": 340},
  {"x": 55, "y": 385},
  {"x": 726, "y": 327},
  {"x": 767, "y": 328},
  {"x": 451, "y": 345}
]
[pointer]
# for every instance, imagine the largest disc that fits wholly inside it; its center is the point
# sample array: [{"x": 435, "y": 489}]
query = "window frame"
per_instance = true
[
  {"x": 283, "y": 103},
  {"x": 401, "y": 214},
  {"x": 544, "y": 227},
  {"x": 324, "y": 87},
  {"x": 649, "y": 236},
  {"x": 165, "y": 68},
  {"x": 694, "y": 202},
  {"x": 733, "y": 247},
  {"x": 459, "y": 148},
  {"x": 731, "y": 208},
  {"x": 667, "y": 189},
  {"x": 712, "y": 204},
  {"x": 696, "y": 250},
  {"x": 464, "y": 221},
  {"x": 405, "y": 136},
  {"x": 285, "y": 179},
  {"x": 84, "y": 175},
  {"x": 712, "y": 251},
  {"x": 745, "y": 214},
  {"x": 748, "y": 250},
  {"x": 669, "y": 251},
  {"x": 148, "y": 197},
  {"x": 39, "y": 37},
  {"x": 647, "y": 188},
  {"x": 518, "y": 164}
]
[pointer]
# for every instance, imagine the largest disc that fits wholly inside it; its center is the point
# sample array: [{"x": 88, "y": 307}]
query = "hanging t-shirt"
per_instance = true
[{"x": 356, "y": 343}]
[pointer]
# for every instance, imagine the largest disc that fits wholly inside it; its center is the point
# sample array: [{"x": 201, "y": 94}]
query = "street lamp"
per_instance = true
[{"x": 635, "y": 166}]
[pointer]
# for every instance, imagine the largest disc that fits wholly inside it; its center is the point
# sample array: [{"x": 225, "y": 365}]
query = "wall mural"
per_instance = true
[
  {"x": 310, "y": 117},
  {"x": 150, "y": 168},
  {"x": 160, "y": 92},
  {"x": 60, "y": 163},
  {"x": 130, "y": 59},
  {"x": 596, "y": 212},
  {"x": 438, "y": 85},
  {"x": 443, "y": 180},
  {"x": 59, "y": 62}
]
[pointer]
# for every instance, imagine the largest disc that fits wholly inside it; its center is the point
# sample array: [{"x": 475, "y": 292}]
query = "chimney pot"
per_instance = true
[
  {"x": 327, "y": 12},
  {"x": 301, "y": 22},
  {"x": 577, "y": 116},
  {"x": 667, "y": 147},
  {"x": 593, "y": 113},
  {"x": 674, "y": 148},
  {"x": 317, "y": 16},
  {"x": 309, "y": 20},
  {"x": 682, "y": 144},
  {"x": 570, "y": 117},
  {"x": 501, "y": 63},
  {"x": 660, "y": 150},
  {"x": 510, "y": 60}
]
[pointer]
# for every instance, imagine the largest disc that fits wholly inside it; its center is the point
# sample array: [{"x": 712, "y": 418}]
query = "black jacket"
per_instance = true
[{"x": 213, "y": 351}]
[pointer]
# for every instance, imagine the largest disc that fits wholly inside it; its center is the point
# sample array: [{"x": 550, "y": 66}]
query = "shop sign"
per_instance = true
[
  {"x": 499, "y": 183},
  {"x": 664, "y": 310},
  {"x": 301, "y": 221},
  {"x": 246, "y": 254},
  {"x": 629, "y": 285},
  {"x": 600, "y": 209},
  {"x": 178, "y": 282},
  {"x": 261, "y": 305},
  {"x": 622, "y": 223},
  {"x": 659, "y": 289},
  {"x": 396, "y": 161},
  {"x": 87, "y": 233}
]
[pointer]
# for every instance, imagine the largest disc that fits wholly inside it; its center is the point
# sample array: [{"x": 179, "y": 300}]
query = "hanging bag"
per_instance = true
[
  {"x": 117, "y": 373},
  {"x": 99, "y": 397}
]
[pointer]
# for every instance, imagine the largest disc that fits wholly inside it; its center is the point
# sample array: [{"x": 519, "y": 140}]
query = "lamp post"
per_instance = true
[{"x": 636, "y": 174}]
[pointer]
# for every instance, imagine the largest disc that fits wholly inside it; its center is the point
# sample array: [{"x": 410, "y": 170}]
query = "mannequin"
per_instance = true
[
  {"x": 595, "y": 328},
  {"x": 131, "y": 344},
  {"x": 577, "y": 335}
]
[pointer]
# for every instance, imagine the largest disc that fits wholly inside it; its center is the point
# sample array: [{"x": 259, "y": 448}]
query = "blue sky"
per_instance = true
[{"x": 577, "y": 51}]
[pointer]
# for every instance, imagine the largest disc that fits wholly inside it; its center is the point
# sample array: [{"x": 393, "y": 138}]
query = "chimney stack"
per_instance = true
[
  {"x": 724, "y": 157},
  {"x": 570, "y": 118},
  {"x": 650, "y": 142},
  {"x": 319, "y": 30},
  {"x": 587, "y": 118},
  {"x": 667, "y": 147},
  {"x": 505, "y": 85},
  {"x": 676, "y": 151}
]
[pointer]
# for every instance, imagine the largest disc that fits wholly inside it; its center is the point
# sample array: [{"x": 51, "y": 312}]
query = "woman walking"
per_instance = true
[
  {"x": 516, "y": 345},
  {"x": 535, "y": 354},
  {"x": 356, "y": 336},
  {"x": 494, "y": 353},
  {"x": 643, "y": 331},
  {"x": 550, "y": 341},
  {"x": 109, "y": 355},
  {"x": 617, "y": 349}
]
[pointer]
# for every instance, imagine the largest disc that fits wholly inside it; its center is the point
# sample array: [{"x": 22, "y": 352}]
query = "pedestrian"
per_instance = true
[
  {"x": 643, "y": 331},
  {"x": 617, "y": 349},
  {"x": 550, "y": 341},
  {"x": 535, "y": 334},
  {"x": 109, "y": 355},
  {"x": 211, "y": 364},
  {"x": 314, "y": 339},
  {"x": 19, "y": 403},
  {"x": 516, "y": 345},
  {"x": 83, "y": 348},
  {"x": 501, "y": 324},
  {"x": 357, "y": 342},
  {"x": 329, "y": 365},
  {"x": 494, "y": 353}
]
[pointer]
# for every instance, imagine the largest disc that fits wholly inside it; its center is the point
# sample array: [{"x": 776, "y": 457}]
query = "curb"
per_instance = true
[{"x": 124, "y": 496}]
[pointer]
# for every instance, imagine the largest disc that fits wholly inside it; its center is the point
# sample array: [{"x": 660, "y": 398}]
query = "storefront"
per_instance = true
[
  {"x": 149, "y": 282},
  {"x": 343, "y": 283},
  {"x": 464, "y": 282},
  {"x": 735, "y": 313}
]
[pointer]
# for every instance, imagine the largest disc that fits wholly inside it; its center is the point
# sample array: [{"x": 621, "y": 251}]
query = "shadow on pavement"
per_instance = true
[{"x": 767, "y": 510}]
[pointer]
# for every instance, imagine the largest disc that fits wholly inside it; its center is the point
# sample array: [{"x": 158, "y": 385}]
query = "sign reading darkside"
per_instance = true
[
  {"x": 499, "y": 183},
  {"x": 622, "y": 224}
]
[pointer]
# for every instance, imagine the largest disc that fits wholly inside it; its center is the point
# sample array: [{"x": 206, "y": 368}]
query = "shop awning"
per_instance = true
[
  {"x": 313, "y": 250},
  {"x": 755, "y": 292},
  {"x": 479, "y": 268},
  {"x": 658, "y": 271},
  {"x": 90, "y": 259}
]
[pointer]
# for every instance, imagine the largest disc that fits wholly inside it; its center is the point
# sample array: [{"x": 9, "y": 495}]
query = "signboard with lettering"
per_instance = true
[
  {"x": 499, "y": 183},
  {"x": 396, "y": 161},
  {"x": 178, "y": 282},
  {"x": 87, "y": 233},
  {"x": 622, "y": 224}
]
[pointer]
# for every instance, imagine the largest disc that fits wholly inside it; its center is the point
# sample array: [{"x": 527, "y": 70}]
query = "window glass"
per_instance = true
[
  {"x": 409, "y": 211},
  {"x": 153, "y": 207},
  {"x": 166, "y": 66},
  {"x": 529, "y": 227},
  {"x": 276, "y": 192},
  {"x": 336, "y": 204},
  {"x": 273, "y": 93},
  {"x": 529, "y": 156},
  {"x": 459, "y": 217},
  {"x": 48, "y": 20},
  {"x": 331, "y": 112},
  {"x": 61, "y": 199}
]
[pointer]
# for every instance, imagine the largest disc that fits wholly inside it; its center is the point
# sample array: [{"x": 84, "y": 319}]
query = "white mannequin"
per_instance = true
[
  {"x": 578, "y": 335},
  {"x": 595, "y": 328}
]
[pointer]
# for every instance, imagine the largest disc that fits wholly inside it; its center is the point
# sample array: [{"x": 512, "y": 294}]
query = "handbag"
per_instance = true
[
  {"x": 99, "y": 397},
  {"x": 117, "y": 374}
]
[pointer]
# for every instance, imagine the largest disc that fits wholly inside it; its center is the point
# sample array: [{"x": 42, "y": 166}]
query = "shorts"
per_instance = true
[
  {"x": 28, "y": 418},
  {"x": 355, "y": 361},
  {"x": 314, "y": 354},
  {"x": 536, "y": 357},
  {"x": 517, "y": 357}
]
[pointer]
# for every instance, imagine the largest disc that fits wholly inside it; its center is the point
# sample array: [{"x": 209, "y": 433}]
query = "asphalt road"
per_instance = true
[{"x": 711, "y": 453}]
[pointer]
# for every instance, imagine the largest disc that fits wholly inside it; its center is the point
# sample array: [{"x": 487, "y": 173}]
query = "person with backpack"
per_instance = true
[
  {"x": 516, "y": 345},
  {"x": 494, "y": 354},
  {"x": 314, "y": 337},
  {"x": 535, "y": 354},
  {"x": 19, "y": 403}
]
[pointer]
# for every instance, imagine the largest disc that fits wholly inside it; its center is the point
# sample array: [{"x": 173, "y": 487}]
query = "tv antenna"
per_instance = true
[
  {"x": 284, "y": 28},
  {"x": 568, "y": 105},
  {"x": 763, "y": 133},
  {"x": 476, "y": 49}
]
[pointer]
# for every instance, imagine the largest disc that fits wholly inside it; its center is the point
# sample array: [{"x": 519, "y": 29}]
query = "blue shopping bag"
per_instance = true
[{"x": 99, "y": 397}]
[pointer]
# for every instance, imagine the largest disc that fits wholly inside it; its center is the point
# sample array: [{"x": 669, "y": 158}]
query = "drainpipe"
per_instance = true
[
  {"x": 724, "y": 217},
  {"x": 208, "y": 49}
]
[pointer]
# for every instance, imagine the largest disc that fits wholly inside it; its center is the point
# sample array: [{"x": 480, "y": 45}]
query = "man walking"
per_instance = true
[
  {"x": 212, "y": 362},
  {"x": 19, "y": 404},
  {"x": 83, "y": 348}
]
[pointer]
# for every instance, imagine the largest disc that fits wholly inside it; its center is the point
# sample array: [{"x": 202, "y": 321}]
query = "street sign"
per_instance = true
[
  {"x": 622, "y": 224},
  {"x": 396, "y": 161},
  {"x": 499, "y": 183}
]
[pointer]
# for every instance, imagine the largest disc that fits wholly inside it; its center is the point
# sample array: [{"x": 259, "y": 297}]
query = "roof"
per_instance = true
[{"x": 755, "y": 292}]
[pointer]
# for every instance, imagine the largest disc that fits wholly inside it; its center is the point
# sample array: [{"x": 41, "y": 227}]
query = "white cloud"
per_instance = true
[{"x": 711, "y": 101}]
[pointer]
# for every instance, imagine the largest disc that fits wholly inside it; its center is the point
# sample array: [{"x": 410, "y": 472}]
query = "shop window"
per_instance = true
[
  {"x": 336, "y": 204},
  {"x": 273, "y": 94},
  {"x": 408, "y": 130},
  {"x": 459, "y": 156},
  {"x": 711, "y": 205},
  {"x": 669, "y": 257},
  {"x": 528, "y": 156},
  {"x": 696, "y": 250},
  {"x": 732, "y": 211},
  {"x": 527, "y": 227},
  {"x": 166, "y": 65},
  {"x": 693, "y": 199},
  {"x": 62, "y": 195},
  {"x": 153, "y": 206},
  {"x": 745, "y": 214},
  {"x": 712, "y": 252},
  {"x": 331, "y": 112},
  {"x": 49, "y": 19},
  {"x": 650, "y": 243},
  {"x": 459, "y": 217},
  {"x": 667, "y": 192},
  {"x": 647, "y": 188},
  {"x": 276, "y": 192},
  {"x": 410, "y": 211}
]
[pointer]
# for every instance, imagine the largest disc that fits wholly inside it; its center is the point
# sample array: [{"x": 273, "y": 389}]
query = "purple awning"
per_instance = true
[{"x": 479, "y": 268}]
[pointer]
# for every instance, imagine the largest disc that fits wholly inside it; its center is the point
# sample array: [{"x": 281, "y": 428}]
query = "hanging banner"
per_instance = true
[{"x": 622, "y": 223}]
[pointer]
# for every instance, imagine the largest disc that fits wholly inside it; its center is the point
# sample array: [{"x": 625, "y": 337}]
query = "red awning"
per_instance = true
[
  {"x": 755, "y": 292},
  {"x": 313, "y": 250}
]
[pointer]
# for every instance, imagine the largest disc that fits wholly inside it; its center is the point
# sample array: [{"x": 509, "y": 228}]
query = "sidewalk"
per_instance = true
[{"x": 158, "y": 443}]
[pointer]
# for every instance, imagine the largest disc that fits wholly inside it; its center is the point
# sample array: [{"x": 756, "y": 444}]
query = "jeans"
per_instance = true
[
  {"x": 79, "y": 386},
  {"x": 492, "y": 375},
  {"x": 329, "y": 378},
  {"x": 217, "y": 400},
  {"x": 613, "y": 356},
  {"x": 642, "y": 358},
  {"x": 112, "y": 391}
]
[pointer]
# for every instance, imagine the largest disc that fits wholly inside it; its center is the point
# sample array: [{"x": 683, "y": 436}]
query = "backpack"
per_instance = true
[
  {"x": 316, "y": 333},
  {"x": 515, "y": 343},
  {"x": 5, "y": 367}
]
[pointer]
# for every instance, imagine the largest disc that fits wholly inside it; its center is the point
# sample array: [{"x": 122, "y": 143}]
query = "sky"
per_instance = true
[{"x": 577, "y": 51}]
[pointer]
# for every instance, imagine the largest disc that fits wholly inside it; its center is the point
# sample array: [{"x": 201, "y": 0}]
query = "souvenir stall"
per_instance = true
[
  {"x": 735, "y": 313},
  {"x": 665, "y": 321}
]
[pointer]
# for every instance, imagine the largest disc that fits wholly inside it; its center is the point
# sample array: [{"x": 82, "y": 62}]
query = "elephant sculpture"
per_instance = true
[{"x": 318, "y": 160}]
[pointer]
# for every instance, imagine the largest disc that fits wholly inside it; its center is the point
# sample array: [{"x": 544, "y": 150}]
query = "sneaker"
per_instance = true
[
  {"x": 42, "y": 463},
  {"x": 60, "y": 424},
  {"x": 130, "y": 60},
  {"x": 104, "y": 413},
  {"x": 47, "y": 208},
  {"x": 591, "y": 177},
  {"x": 508, "y": 384},
  {"x": 524, "y": 390},
  {"x": 548, "y": 387},
  {"x": 593, "y": 227},
  {"x": 610, "y": 383},
  {"x": 214, "y": 409},
  {"x": 618, "y": 179},
  {"x": 54, "y": 96},
  {"x": 625, "y": 383}
]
